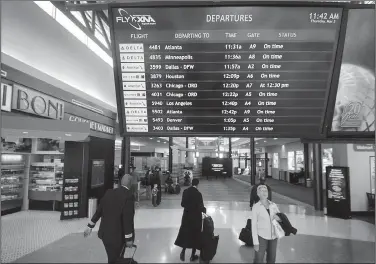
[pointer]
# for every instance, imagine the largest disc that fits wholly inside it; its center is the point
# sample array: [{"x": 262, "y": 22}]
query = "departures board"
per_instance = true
[{"x": 244, "y": 70}]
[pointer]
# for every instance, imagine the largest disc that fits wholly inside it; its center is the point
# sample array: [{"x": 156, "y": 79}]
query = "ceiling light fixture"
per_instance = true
[
  {"x": 68, "y": 135},
  {"x": 25, "y": 132},
  {"x": 275, "y": 138}
]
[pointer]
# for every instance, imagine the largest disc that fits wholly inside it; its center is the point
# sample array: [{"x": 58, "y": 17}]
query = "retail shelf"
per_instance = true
[
  {"x": 42, "y": 164},
  {"x": 12, "y": 176},
  {"x": 47, "y": 153},
  {"x": 12, "y": 166},
  {"x": 45, "y": 195}
]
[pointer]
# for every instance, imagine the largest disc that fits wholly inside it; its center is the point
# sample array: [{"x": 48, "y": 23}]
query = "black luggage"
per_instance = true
[
  {"x": 249, "y": 224},
  {"x": 208, "y": 226},
  {"x": 246, "y": 234},
  {"x": 171, "y": 189},
  {"x": 209, "y": 248},
  {"x": 177, "y": 189},
  {"x": 131, "y": 260},
  {"x": 209, "y": 242}
]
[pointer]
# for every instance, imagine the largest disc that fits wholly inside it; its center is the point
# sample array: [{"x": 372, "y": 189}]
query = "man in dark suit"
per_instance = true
[
  {"x": 190, "y": 230},
  {"x": 254, "y": 197},
  {"x": 116, "y": 210}
]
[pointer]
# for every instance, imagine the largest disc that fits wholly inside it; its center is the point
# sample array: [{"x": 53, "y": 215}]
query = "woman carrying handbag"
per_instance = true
[{"x": 265, "y": 227}]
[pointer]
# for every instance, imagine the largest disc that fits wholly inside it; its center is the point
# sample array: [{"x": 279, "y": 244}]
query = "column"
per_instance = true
[
  {"x": 317, "y": 172},
  {"x": 253, "y": 161},
  {"x": 266, "y": 163},
  {"x": 170, "y": 144},
  {"x": 306, "y": 163},
  {"x": 175, "y": 162},
  {"x": 126, "y": 149}
]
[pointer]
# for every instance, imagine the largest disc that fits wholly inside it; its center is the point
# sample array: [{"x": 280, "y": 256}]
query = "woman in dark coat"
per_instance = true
[{"x": 190, "y": 230}]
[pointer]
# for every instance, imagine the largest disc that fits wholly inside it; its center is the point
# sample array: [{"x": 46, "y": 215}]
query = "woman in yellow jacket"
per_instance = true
[{"x": 263, "y": 233}]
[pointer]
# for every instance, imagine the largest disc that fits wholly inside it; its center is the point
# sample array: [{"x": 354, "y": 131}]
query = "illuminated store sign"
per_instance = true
[
  {"x": 93, "y": 125},
  {"x": 6, "y": 97},
  {"x": 36, "y": 103}
]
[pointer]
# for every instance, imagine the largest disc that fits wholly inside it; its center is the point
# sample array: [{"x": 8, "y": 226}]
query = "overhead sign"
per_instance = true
[
  {"x": 95, "y": 126},
  {"x": 6, "y": 97},
  {"x": 224, "y": 70},
  {"x": 36, "y": 103}
]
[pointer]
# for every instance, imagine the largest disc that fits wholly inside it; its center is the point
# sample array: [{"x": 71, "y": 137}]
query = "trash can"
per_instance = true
[{"x": 92, "y": 207}]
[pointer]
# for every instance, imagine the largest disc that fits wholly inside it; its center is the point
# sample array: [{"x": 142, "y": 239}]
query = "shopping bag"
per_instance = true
[{"x": 278, "y": 229}]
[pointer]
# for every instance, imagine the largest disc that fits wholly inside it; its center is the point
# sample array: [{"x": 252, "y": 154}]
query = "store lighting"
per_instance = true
[
  {"x": 158, "y": 141},
  {"x": 150, "y": 138},
  {"x": 275, "y": 138},
  {"x": 197, "y": 154},
  {"x": 264, "y": 141},
  {"x": 25, "y": 132},
  {"x": 11, "y": 158},
  {"x": 68, "y": 135}
]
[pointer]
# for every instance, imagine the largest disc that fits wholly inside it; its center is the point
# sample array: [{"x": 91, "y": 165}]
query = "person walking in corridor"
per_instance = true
[
  {"x": 116, "y": 230},
  {"x": 254, "y": 197},
  {"x": 263, "y": 233},
  {"x": 190, "y": 230}
]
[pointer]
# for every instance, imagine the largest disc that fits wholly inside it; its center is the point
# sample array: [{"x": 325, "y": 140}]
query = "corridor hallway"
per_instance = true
[{"x": 40, "y": 237}]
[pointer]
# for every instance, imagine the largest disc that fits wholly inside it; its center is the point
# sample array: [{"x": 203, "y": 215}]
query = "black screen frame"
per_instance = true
[
  {"x": 166, "y": 4},
  {"x": 329, "y": 113}
]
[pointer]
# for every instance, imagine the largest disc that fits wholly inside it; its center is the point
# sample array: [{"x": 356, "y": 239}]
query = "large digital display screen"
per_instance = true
[
  {"x": 355, "y": 102},
  {"x": 245, "y": 70}
]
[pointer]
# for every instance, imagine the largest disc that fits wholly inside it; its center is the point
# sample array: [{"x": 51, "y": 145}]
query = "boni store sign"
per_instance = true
[
  {"x": 93, "y": 125},
  {"x": 36, "y": 103}
]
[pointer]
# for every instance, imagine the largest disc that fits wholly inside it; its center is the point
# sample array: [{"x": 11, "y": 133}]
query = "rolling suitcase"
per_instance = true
[
  {"x": 130, "y": 260},
  {"x": 209, "y": 242},
  {"x": 177, "y": 189},
  {"x": 209, "y": 248}
]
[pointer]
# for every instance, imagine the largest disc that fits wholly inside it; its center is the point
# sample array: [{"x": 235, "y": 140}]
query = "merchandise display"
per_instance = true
[
  {"x": 12, "y": 176},
  {"x": 71, "y": 198},
  {"x": 13, "y": 169},
  {"x": 46, "y": 176}
]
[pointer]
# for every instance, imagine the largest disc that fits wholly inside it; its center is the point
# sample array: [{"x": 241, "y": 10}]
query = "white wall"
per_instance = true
[
  {"x": 31, "y": 36},
  {"x": 359, "y": 164},
  {"x": 282, "y": 151}
]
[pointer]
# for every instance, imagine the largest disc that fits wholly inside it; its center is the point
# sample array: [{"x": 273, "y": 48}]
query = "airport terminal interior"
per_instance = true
[{"x": 93, "y": 90}]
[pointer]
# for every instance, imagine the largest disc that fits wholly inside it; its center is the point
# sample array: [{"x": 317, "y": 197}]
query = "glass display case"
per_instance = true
[
  {"x": 12, "y": 176},
  {"x": 46, "y": 177}
]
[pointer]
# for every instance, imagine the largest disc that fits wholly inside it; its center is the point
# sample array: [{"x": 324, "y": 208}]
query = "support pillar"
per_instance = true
[
  {"x": 306, "y": 163},
  {"x": 253, "y": 161},
  {"x": 126, "y": 151},
  {"x": 170, "y": 144},
  {"x": 266, "y": 163},
  {"x": 186, "y": 146},
  {"x": 318, "y": 179},
  {"x": 229, "y": 148}
]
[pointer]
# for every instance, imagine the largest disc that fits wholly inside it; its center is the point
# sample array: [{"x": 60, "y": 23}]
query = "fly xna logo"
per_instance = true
[{"x": 135, "y": 21}]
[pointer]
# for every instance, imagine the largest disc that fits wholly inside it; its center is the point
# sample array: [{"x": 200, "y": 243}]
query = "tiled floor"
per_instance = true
[
  {"x": 40, "y": 237},
  {"x": 295, "y": 192}
]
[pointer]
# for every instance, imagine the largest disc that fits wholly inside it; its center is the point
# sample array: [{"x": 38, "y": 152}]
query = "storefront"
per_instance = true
[{"x": 57, "y": 149}]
